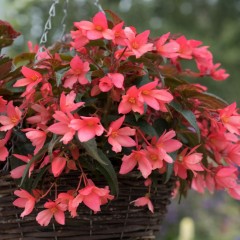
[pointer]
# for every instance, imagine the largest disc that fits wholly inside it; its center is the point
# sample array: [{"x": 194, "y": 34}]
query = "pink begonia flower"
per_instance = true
[
  {"x": 231, "y": 154},
  {"x": 112, "y": 79},
  {"x": 203, "y": 58},
  {"x": 154, "y": 157},
  {"x": 79, "y": 38},
  {"x": 122, "y": 54},
  {"x": 234, "y": 192},
  {"x": 186, "y": 47},
  {"x": 230, "y": 118},
  {"x": 46, "y": 90},
  {"x": 92, "y": 196},
  {"x": 77, "y": 73},
  {"x": 55, "y": 210},
  {"x": 218, "y": 74},
  {"x": 32, "y": 78},
  {"x": 119, "y": 34},
  {"x": 12, "y": 119},
  {"x": 165, "y": 144},
  {"x": 32, "y": 48},
  {"x": 63, "y": 127},
  {"x": 37, "y": 137},
  {"x": 57, "y": 165},
  {"x": 25, "y": 200},
  {"x": 152, "y": 96},
  {"x": 96, "y": 29},
  {"x": 136, "y": 158},
  {"x": 67, "y": 102},
  {"x": 168, "y": 50},
  {"x": 119, "y": 137},
  {"x": 43, "y": 117},
  {"x": 143, "y": 201},
  {"x": 138, "y": 44},
  {"x": 87, "y": 127},
  {"x": 188, "y": 161},
  {"x": 202, "y": 181},
  {"x": 3, "y": 150},
  {"x": 67, "y": 198},
  {"x": 18, "y": 171},
  {"x": 3, "y": 104},
  {"x": 226, "y": 177},
  {"x": 131, "y": 102}
]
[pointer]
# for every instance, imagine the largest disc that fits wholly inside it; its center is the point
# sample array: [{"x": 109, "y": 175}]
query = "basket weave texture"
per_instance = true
[{"x": 117, "y": 220}]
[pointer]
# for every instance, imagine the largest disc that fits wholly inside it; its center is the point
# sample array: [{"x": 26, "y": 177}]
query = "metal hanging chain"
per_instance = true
[
  {"x": 98, "y": 5},
  {"x": 48, "y": 24},
  {"x": 63, "y": 22}
]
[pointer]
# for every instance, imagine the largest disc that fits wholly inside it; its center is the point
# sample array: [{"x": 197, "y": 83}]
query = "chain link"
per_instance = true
[
  {"x": 63, "y": 22},
  {"x": 48, "y": 24},
  {"x": 98, "y": 5}
]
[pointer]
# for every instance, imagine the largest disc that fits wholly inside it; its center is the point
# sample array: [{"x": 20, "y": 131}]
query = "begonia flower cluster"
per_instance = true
[{"x": 119, "y": 99}]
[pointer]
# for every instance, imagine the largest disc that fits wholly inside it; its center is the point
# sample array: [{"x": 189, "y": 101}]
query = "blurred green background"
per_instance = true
[{"x": 216, "y": 23}]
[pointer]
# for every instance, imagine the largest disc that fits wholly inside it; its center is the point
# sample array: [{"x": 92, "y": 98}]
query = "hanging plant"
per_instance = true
[{"x": 113, "y": 102}]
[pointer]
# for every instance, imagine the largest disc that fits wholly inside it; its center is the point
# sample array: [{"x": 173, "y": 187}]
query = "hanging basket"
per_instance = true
[{"x": 117, "y": 220}]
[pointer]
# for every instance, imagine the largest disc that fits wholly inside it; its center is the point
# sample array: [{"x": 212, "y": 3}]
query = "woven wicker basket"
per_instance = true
[{"x": 117, "y": 220}]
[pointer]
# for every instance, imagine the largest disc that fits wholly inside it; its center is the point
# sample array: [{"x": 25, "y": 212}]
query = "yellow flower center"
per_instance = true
[
  {"x": 145, "y": 92},
  {"x": 225, "y": 119},
  {"x": 114, "y": 134},
  {"x": 90, "y": 124},
  {"x": 99, "y": 28},
  {"x": 117, "y": 34},
  {"x": 132, "y": 100},
  {"x": 14, "y": 119},
  {"x": 34, "y": 78},
  {"x": 153, "y": 157},
  {"x": 53, "y": 210},
  {"x": 135, "y": 45},
  {"x": 180, "y": 158}
]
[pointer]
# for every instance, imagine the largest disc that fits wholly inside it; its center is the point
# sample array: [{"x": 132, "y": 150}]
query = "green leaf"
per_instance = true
[
  {"x": 140, "y": 81},
  {"x": 58, "y": 78},
  {"x": 160, "y": 125},
  {"x": 23, "y": 59},
  {"x": 55, "y": 140},
  {"x": 92, "y": 150},
  {"x": 109, "y": 172},
  {"x": 89, "y": 77},
  {"x": 59, "y": 75},
  {"x": 188, "y": 115},
  {"x": 147, "y": 128},
  {"x": 39, "y": 177}
]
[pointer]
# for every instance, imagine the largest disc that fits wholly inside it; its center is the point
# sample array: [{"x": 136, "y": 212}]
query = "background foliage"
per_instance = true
[{"x": 215, "y": 22}]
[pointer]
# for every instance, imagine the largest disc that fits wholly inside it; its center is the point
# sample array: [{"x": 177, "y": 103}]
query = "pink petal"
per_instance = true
[
  {"x": 100, "y": 20},
  {"x": 93, "y": 202},
  {"x": 127, "y": 166},
  {"x": 145, "y": 167},
  {"x": 115, "y": 125},
  {"x": 18, "y": 171},
  {"x": 108, "y": 34},
  {"x": 3, "y": 153},
  {"x": 22, "y": 82},
  {"x": 58, "y": 164},
  {"x": 86, "y": 25},
  {"x": 28, "y": 208},
  {"x": 117, "y": 79},
  {"x": 85, "y": 134},
  {"x": 20, "y": 202},
  {"x": 44, "y": 217},
  {"x": 59, "y": 217},
  {"x": 94, "y": 34}
]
